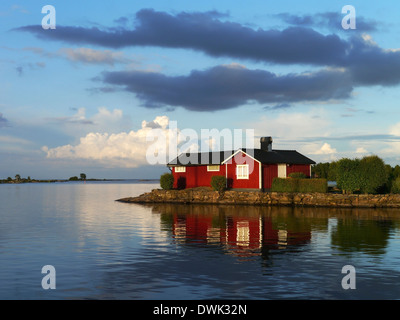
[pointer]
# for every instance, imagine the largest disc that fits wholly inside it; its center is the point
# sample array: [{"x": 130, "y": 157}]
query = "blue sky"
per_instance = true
[{"x": 82, "y": 97}]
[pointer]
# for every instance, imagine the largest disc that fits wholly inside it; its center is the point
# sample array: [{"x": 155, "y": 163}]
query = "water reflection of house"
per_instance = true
[{"x": 240, "y": 235}]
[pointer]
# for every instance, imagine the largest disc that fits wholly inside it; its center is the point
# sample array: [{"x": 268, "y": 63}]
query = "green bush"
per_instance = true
[
  {"x": 284, "y": 185},
  {"x": 299, "y": 185},
  {"x": 167, "y": 181},
  {"x": 218, "y": 183},
  {"x": 297, "y": 175},
  {"x": 312, "y": 185}
]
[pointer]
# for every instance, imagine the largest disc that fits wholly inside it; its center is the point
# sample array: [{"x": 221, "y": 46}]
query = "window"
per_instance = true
[
  {"x": 180, "y": 169},
  {"x": 281, "y": 170},
  {"x": 242, "y": 171},
  {"x": 213, "y": 168}
]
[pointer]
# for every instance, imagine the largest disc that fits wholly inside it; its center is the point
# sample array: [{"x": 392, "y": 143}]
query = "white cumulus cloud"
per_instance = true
[
  {"x": 123, "y": 149},
  {"x": 325, "y": 149}
]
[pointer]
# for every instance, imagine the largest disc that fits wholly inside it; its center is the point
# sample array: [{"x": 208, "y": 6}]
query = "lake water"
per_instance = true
[{"x": 103, "y": 249}]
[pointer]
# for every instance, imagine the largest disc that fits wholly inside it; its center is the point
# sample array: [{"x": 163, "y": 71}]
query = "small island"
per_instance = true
[
  {"x": 209, "y": 196},
  {"x": 18, "y": 179},
  {"x": 365, "y": 183}
]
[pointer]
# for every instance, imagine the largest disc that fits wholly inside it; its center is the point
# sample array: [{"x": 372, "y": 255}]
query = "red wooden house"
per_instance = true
[{"x": 243, "y": 168}]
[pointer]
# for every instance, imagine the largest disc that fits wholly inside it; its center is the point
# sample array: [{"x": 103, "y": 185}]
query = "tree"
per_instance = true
[
  {"x": 373, "y": 174},
  {"x": 17, "y": 177},
  {"x": 332, "y": 173},
  {"x": 320, "y": 170},
  {"x": 396, "y": 171},
  {"x": 83, "y": 176},
  {"x": 348, "y": 175},
  {"x": 367, "y": 175},
  {"x": 395, "y": 186}
]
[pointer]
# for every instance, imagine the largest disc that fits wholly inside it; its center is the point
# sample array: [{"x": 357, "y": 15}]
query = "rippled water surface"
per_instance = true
[{"x": 103, "y": 249}]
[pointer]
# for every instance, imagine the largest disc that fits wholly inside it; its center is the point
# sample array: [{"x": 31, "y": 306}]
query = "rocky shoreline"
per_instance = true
[{"x": 208, "y": 196}]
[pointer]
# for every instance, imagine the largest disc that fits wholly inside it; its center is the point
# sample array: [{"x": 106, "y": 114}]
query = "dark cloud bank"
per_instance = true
[
  {"x": 344, "y": 63},
  {"x": 225, "y": 87}
]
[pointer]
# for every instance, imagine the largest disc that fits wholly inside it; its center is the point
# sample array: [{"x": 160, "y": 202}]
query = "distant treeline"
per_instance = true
[
  {"x": 19, "y": 179},
  {"x": 367, "y": 175}
]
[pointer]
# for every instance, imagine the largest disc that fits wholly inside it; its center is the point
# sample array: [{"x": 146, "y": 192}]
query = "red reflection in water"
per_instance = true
[{"x": 241, "y": 236}]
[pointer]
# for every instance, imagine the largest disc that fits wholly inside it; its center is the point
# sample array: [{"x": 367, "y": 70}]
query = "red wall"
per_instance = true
[
  {"x": 304, "y": 168},
  {"x": 254, "y": 178},
  {"x": 198, "y": 176},
  {"x": 270, "y": 171},
  {"x": 195, "y": 176}
]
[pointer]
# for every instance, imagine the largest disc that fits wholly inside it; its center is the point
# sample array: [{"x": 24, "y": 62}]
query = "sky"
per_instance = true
[{"x": 85, "y": 96}]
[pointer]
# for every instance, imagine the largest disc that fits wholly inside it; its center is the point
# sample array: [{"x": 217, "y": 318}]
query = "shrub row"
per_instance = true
[
  {"x": 218, "y": 183},
  {"x": 299, "y": 185}
]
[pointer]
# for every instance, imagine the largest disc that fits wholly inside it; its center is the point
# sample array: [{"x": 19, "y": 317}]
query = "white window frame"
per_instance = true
[
  {"x": 242, "y": 172},
  {"x": 180, "y": 169},
  {"x": 209, "y": 168}
]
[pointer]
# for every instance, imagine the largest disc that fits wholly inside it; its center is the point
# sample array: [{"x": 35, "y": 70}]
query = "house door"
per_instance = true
[{"x": 281, "y": 170}]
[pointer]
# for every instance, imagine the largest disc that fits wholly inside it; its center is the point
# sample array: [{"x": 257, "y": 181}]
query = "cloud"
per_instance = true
[
  {"x": 104, "y": 120},
  {"x": 126, "y": 149},
  {"x": 361, "y": 150},
  {"x": 330, "y": 19},
  {"x": 78, "y": 118},
  {"x": 13, "y": 140},
  {"x": 325, "y": 149},
  {"x": 206, "y": 32},
  {"x": 229, "y": 86},
  {"x": 3, "y": 121},
  {"x": 278, "y": 106},
  {"x": 370, "y": 65},
  {"x": 210, "y": 33},
  {"x": 158, "y": 122},
  {"x": 92, "y": 56},
  {"x": 84, "y": 55},
  {"x": 13, "y": 9},
  {"x": 21, "y": 68}
]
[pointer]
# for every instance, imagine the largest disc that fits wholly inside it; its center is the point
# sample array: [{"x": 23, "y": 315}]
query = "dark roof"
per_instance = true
[{"x": 267, "y": 157}]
